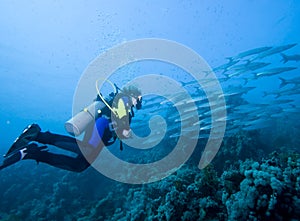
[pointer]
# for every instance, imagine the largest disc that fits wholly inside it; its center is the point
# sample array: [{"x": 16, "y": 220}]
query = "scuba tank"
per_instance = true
[{"x": 77, "y": 124}]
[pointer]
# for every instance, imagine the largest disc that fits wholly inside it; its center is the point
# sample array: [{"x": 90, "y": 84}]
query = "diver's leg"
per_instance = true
[
  {"x": 33, "y": 133},
  {"x": 77, "y": 164},
  {"x": 88, "y": 152},
  {"x": 61, "y": 141},
  {"x": 34, "y": 152}
]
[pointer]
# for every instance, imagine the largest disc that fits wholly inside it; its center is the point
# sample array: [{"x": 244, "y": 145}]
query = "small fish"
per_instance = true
[
  {"x": 175, "y": 97},
  {"x": 174, "y": 127},
  {"x": 217, "y": 110},
  {"x": 281, "y": 101},
  {"x": 173, "y": 117},
  {"x": 276, "y": 115},
  {"x": 206, "y": 127},
  {"x": 230, "y": 91},
  {"x": 275, "y": 50},
  {"x": 286, "y": 58},
  {"x": 274, "y": 71},
  {"x": 175, "y": 135},
  {"x": 289, "y": 92},
  {"x": 190, "y": 109},
  {"x": 206, "y": 103},
  {"x": 183, "y": 84},
  {"x": 285, "y": 82},
  {"x": 234, "y": 74},
  {"x": 187, "y": 117},
  {"x": 256, "y": 65},
  {"x": 232, "y": 117},
  {"x": 245, "y": 68},
  {"x": 203, "y": 81},
  {"x": 238, "y": 67},
  {"x": 225, "y": 67},
  {"x": 197, "y": 99},
  {"x": 286, "y": 92},
  {"x": 248, "y": 79},
  {"x": 291, "y": 110},
  {"x": 251, "y": 52},
  {"x": 188, "y": 102},
  {"x": 249, "y": 108}
]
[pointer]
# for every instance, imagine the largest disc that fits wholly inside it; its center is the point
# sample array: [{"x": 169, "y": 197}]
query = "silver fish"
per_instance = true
[
  {"x": 216, "y": 110},
  {"x": 251, "y": 52},
  {"x": 283, "y": 101},
  {"x": 285, "y": 82},
  {"x": 246, "y": 108},
  {"x": 230, "y": 91},
  {"x": 249, "y": 66},
  {"x": 190, "y": 109},
  {"x": 183, "y": 84},
  {"x": 234, "y": 74},
  {"x": 291, "y": 110},
  {"x": 189, "y": 101},
  {"x": 256, "y": 65},
  {"x": 292, "y": 91},
  {"x": 286, "y": 58},
  {"x": 175, "y": 97},
  {"x": 248, "y": 79},
  {"x": 286, "y": 92},
  {"x": 225, "y": 67},
  {"x": 275, "y": 50},
  {"x": 186, "y": 117},
  {"x": 274, "y": 71}
]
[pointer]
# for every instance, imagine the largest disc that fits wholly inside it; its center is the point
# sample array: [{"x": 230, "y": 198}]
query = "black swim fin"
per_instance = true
[
  {"x": 12, "y": 158},
  {"x": 31, "y": 151},
  {"x": 29, "y": 134}
]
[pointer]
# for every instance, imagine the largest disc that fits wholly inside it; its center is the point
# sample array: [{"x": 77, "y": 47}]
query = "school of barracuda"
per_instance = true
[{"x": 240, "y": 76}]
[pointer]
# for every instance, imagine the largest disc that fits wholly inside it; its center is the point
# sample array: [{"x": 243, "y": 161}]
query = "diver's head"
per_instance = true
[{"x": 135, "y": 94}]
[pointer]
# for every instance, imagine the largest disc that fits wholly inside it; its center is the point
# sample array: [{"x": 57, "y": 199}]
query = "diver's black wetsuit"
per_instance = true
[
  {"x": 97, "y": 136},
  {"x": 76, "y": 164},
  {"x": 97, "y": 131}
]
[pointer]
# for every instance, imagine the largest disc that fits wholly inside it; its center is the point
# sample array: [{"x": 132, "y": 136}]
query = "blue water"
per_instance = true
[{"x": 45, "y": 46}]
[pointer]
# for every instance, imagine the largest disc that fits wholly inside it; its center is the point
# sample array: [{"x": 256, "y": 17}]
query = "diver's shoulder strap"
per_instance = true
[{"x": 121, "y": 145}]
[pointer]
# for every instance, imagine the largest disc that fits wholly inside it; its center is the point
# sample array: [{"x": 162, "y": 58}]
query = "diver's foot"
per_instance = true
[
  {"x": 13, "y": 158},
  {"x": 25, "y": 153},
  {"x": 29, "y": 134},
  {"x": 32, "y": 150}
]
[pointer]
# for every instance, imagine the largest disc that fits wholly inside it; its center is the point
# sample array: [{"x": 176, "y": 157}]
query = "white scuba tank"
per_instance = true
[{"x": 77, "y": 124}]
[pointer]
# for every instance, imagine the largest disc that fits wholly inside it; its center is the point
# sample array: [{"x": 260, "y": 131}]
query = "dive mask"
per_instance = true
[{"x": 139, "y": 102}]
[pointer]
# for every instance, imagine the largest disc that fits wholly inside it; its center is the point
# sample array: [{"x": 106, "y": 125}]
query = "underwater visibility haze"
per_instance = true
[{"x": 247, "y": 100}]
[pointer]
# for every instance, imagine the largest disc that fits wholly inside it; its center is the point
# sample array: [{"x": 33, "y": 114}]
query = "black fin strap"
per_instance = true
[
  {"x": 121, "y": 145},
  {"x": 132, "y": 112}
]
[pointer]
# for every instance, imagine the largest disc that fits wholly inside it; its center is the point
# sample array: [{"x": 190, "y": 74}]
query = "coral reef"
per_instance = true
[
  {"x": 266, "y": 191},
  {"x": 245, "y": 189}
]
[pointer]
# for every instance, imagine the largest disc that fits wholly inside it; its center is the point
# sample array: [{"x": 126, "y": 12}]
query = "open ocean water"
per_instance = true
[{"x": 251, "y": 47}]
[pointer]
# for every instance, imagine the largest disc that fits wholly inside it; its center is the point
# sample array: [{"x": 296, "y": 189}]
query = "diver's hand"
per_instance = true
[{"x": 126, "y": 133}]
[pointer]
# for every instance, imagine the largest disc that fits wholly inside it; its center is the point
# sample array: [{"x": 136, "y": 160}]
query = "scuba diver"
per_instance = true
[{"x": 106, "y": 124}]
